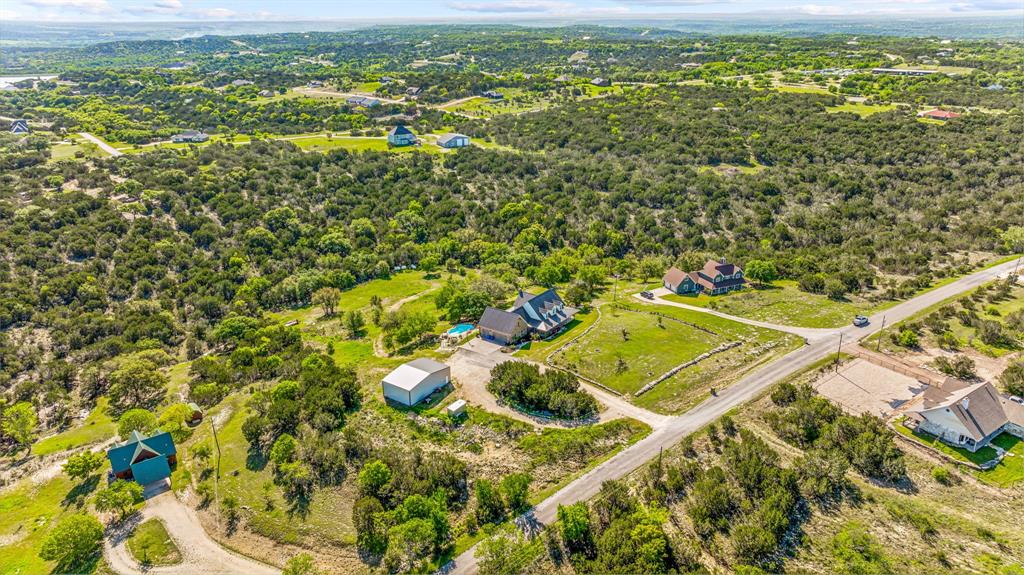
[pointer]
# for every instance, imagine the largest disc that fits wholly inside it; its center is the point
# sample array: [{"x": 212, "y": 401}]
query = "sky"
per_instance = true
[{"x": 397, "y": 11}]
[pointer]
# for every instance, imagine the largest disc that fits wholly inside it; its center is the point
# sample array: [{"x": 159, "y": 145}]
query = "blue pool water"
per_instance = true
[{"x": 460, "y": 329}]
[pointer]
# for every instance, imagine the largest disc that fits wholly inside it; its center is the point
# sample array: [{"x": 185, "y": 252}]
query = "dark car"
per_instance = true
[{"x": 647, "y": 294}]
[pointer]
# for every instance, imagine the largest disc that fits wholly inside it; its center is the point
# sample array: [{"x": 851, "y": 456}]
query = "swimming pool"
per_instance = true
[{"x": 460, "y": 329}]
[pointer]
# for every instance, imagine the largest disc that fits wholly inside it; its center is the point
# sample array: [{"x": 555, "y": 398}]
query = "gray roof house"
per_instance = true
[
  {"x": 966, "y": 416},
  {"x": 193, "y": 136},
  {"x": 19, "y": 127},
  {"x": 401, "y": 136},
  {"x": 602, "y": 82},
  {"x": 542, "y": 315}
]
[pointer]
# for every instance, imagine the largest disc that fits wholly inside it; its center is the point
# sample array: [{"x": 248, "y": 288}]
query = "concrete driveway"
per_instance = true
[{"x": 471, "y": 368}]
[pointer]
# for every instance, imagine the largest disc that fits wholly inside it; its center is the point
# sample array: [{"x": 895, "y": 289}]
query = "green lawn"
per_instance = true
[
  {"x": 151, "y": 545},
  {"x": 782, "y": 303},
  {"x": 1008, "y": 472},
  {"x": 691, "y": 385},
  {"x": 98, "y": 427},
  {"x": 862, "y": 110},
  {"x": 28, "y": 511},
  {"x": 67, "y": 151},
  {"x": 539, "y": 350},
  {"x": 647, "y": 352}
]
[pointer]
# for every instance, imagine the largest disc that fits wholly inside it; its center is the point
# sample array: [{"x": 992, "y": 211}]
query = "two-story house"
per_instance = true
[
  {"x": 542, "y": 315},
  {"x": 716, "y": 277}
]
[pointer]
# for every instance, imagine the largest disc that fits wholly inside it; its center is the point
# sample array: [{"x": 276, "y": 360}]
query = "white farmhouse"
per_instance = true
[
  {"x": 968, "y": 417},
  {"x": 410, "y": 382}
]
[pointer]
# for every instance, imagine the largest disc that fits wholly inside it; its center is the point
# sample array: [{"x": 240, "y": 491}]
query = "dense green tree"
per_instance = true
[{"x": 72, "y": 541}]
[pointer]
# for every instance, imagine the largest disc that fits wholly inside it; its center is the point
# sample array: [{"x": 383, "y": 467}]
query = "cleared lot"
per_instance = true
[{"x": 863, "y": 387}]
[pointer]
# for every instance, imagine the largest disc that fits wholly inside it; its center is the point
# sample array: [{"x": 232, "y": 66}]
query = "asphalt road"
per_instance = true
[{"x": 744, "y": 390}]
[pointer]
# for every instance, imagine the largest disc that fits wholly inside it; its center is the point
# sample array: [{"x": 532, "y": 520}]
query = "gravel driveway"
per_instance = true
[{"x": 200, "y": 555}]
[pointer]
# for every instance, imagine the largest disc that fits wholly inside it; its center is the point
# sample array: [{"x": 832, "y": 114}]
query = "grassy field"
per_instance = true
[
  {"x": 652, "y": 350},
  {"x": 692, "y": 385},
  {"x": 1008, "y": 472},
  {"x": 98, "y": 427},
  {"x": 151, "y": 545},
  {"x": 28, "y": 510},
  {"x": 862, "y": 110},
  {"x": 649, "y": 349},
  {"x": 782, "y": 303},
  {"x": 942, "y": 69},
  {"x": 516, "y": 100},
  {"x": 75, "y": 144}
]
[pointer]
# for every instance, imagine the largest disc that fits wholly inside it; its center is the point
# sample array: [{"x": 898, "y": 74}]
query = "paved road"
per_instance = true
[
  {"x": 103, "y": 145},
  {"x": 810, "y": 333},
  {"x": 200, "y": 555},
  {"x": 627, "y": 460}
]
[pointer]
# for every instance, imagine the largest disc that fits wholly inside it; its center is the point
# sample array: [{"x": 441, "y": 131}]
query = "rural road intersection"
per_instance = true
[
  {"x": 746, "y": 389},
  {"x": 201, "y": 555}
]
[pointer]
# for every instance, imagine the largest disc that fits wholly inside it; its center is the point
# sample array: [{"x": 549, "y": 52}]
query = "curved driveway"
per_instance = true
[
  {"x": 744, "y": 390},
  {"x": 200, "y": 555}
]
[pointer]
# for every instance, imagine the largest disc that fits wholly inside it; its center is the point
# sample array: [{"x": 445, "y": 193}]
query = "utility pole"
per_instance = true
[
  {"x": 216, "y": 476},
  {"x": 838, "y": 350},
  {"x": 878, "y": 342}
]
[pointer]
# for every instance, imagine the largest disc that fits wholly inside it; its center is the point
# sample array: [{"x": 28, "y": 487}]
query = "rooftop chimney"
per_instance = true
[
  {"x": 966, "y": 403},
  {"x": 722, "y": 261}
]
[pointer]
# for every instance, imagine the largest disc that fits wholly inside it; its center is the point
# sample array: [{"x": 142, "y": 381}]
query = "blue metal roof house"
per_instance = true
[
  {"x": 401, "y": 136},
  {"x": 144, "y": 459}
]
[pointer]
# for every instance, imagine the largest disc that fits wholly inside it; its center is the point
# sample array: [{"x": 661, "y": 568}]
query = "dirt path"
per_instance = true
[{"x": 200, "y": 555}]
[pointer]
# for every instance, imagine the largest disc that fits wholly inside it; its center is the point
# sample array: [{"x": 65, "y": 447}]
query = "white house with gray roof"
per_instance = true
[{"x": 966, "y": 416}]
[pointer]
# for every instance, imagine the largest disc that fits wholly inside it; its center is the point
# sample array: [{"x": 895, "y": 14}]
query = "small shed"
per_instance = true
[
  {"x": 601, "y": 82},
  {"x": 196, "y": 416},
  {"x": 453, "y": 141},
  {"x": 457, "y": 408},
  {"x": 410, "y": 382}
]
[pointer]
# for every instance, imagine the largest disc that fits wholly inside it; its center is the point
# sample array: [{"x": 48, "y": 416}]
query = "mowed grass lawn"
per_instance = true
[
  {"x": 692, "y": 385},
  {"x": 1008, "y": 472},
  {"x": 649, "y": 350},
  {"x": 782, "y": 303},
  {"x": 151, "y": 545}
]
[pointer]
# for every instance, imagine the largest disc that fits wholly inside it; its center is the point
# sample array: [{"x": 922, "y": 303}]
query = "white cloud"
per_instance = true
[
  {"x": 86, "y": 6},
  {"x": 819, "y": 10},
  {"x": 8, "y": 14},
  {"x": 987, "y": 6},
  {"x": 675, "y": 2},
  {"x": 512, "y": 6},
  {"x": 214, "y": 14}
]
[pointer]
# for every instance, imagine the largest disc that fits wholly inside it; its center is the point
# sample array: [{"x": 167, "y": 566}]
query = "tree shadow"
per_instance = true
[
  {"x": 255, "y": 461},
  {"x": 80, "y": 491},
  {"x": 298, "y": 505}
]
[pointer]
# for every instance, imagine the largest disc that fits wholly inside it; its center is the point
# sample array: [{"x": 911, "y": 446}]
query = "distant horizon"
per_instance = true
[{"x": 485, "y": 11}]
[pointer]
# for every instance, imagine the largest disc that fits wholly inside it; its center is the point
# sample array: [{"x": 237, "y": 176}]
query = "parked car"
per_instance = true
[
  {"x": 860, "y": 321},
  {"x": 647, "y": 294},
  {"x": 1017, "y": 399}
]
